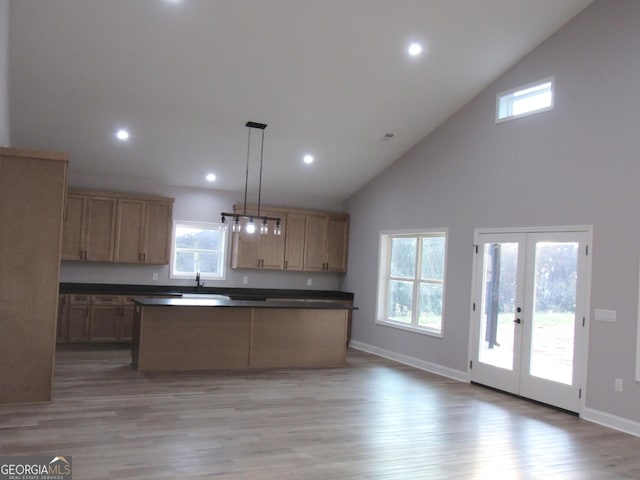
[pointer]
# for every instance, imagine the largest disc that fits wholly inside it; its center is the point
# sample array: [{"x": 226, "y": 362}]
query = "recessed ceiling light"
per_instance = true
[
  {"x": 122, "y": 134},
  {"x": 415, "y": 49},
  {"x": 211, "y": 177},
  {"x": 307, "y": 159}
]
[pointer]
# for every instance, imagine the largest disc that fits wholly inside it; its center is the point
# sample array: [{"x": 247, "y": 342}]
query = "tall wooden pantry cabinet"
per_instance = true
[{"x": 32, "y": 195}]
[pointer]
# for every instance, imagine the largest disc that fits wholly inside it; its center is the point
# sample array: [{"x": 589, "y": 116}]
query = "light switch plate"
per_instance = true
[{"x": 605, "y": 315}]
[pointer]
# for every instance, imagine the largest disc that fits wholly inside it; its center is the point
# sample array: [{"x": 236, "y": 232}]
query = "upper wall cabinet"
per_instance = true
[
  {"x": 143, "y": 231},
  {"x": 115, "y": 227},
  {"x": 326, "y": 240},
  {"x": 88, "y": 228},
  {"x": 310, "y": 241}
]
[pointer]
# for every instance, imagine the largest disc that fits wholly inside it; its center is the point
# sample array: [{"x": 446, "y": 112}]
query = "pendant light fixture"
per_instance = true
[{"x": 264, "y": 220}]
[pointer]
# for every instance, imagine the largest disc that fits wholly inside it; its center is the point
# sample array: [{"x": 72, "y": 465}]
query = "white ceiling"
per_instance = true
[{"x": 329, "y": 77}]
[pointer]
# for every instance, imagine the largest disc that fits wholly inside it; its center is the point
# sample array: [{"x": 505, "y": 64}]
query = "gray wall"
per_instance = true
[
  {"x": 190, "y": 204},
  {"x": 4, "y": 74},
  {"x": 576, "y": 165}
]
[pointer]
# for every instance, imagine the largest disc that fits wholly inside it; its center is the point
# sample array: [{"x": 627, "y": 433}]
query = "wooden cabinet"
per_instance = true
[
  {"x": 61, "y": 323},
  {"x": 88, "y": 232},
  {"x": 326, "y": 243},
  {"x": 294, "y": 242},
  {"x": 143, "y": 231},
  {"x": 103, "y": 318},
  {"x": 310, "y": 241},
  {"x": 32, "y": 194},
  {"x": 78, "y": 318},
  {"x": 125, "y": 327},
  {"x": 95, "y": 318},
  {"x": 254, "y": 250},
  {"x": 116, "y": 227}
]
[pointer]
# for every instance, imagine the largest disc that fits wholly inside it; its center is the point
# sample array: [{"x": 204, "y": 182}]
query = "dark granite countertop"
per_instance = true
[
  {"x": 177, "y": 291},
  {"x": 211, "y": 302}
]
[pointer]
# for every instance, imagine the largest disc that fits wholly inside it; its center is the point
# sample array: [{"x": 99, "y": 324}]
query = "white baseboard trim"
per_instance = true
[
  {"x": 612, "y": 421},
  {"x": 411, "y": 361}
]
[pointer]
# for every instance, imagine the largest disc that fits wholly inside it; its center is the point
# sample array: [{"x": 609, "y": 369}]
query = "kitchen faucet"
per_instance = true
[{"x": 198, "y": 283}]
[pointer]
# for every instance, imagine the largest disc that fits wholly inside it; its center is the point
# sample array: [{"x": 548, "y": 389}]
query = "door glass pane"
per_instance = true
[
  {"x": 400, "y": 301},
  {"x": 499, "y": 278},
  {"x": 554, "y": 312}
]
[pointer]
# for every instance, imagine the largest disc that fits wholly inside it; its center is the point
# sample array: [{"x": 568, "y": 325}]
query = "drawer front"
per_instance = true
[
  {"x": 105, "y": 300},
  {"x": 79, "y": 299}
]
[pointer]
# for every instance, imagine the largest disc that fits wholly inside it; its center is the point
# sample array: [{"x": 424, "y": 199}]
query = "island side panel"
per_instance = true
[
  {"x": 192, "y": 338},
  {"x": 298, "y": 338}
]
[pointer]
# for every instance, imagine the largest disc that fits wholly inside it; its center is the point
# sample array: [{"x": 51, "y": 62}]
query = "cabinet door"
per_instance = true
[
  {"x": 61, "y": 328},
  {"x": 246, "y": 247},
  {"x": 100, "y": 229},
  {"x": 129, "y": 231},
  {"x": 78, "y": 319},
  {"x": 157, "y": 233},
  {"x": 337, "y": 243},
  {"x": 103, "y": 321},
  {"x": 73, "y": 228},
  {"x": 125, "y": 332},
  {"x": 294, "y": 241},
  {"x": 272, "y": 246},
  {"x": 315, "y": 243}
]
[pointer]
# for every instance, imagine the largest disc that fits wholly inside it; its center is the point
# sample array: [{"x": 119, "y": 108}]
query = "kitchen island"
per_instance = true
[{"x": 188, "y": 334}]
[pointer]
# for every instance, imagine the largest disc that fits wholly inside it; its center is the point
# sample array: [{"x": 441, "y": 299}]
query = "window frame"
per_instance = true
[
  {"x": 508, "y": 95},
  {"x": 223, "y": 254},
  {"x": 384, "y": 278}
]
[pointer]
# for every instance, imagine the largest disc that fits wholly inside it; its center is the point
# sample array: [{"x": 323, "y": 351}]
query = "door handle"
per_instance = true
[{"x": 517, "y": 320}]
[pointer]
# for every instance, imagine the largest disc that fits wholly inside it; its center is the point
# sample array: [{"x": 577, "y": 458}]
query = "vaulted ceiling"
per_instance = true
[{"x": 331, "y": 78}]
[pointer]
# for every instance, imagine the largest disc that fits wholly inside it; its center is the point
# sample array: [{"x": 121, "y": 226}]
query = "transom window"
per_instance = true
[
  {"x": 199, "y": 248},
  {"x": 411, "y": 280},
  {"x": 525, "y": 100}
]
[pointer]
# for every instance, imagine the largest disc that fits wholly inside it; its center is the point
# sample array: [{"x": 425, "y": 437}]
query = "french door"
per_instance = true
[{"x": 529, "y": 314}]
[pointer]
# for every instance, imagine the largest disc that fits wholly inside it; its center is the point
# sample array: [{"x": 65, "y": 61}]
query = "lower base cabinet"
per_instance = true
[
  {"x": 94, "y": 318},
  {"x": 78, "y": 318}
]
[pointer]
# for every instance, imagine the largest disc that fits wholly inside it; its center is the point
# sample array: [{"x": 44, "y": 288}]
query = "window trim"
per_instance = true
[
  {"x": 507, "y": 93},
  {"x": 384, "y": 253},
  {"x": 208, "y": 225}
]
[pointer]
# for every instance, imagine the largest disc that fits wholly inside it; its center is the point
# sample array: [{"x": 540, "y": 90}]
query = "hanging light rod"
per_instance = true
[{"x": 251, "y": 225}]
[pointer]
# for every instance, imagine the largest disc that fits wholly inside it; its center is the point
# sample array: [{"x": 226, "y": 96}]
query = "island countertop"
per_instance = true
[{"x": 224, "y": 303}]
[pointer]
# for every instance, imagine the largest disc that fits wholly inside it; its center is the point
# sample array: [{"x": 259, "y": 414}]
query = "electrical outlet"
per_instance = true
[
  {"x": 245, "y": 280},
  {"x": 309, "y": 282},
  {"x": 617, "y": 385},
  {"x": 155, "y": 276}
]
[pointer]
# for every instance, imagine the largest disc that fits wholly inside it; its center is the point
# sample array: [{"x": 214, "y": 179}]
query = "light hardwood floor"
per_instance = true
[{"x": 374, "y": 419}]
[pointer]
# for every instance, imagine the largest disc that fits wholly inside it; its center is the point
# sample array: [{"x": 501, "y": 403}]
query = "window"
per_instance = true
[
  {"x": 411, "y": 280},
  {"x": 526, "y": 100},
  {"x": 199, "y": 247}
]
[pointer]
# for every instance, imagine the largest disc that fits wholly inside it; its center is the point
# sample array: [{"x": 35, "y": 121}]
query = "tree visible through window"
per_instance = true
[
  {"x": 412, "y": 280},
  {"x": 199, "y": 247}
]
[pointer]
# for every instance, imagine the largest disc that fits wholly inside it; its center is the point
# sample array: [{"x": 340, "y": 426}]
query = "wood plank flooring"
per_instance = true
[{"x": 374, "y": 419}]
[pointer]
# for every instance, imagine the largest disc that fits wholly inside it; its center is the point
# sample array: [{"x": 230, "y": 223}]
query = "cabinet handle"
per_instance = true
[
  {"x": 144, "y": 257},
  {"x": 286, "y": 264}
]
